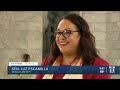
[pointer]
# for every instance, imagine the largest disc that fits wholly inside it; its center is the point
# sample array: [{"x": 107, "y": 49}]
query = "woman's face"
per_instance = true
[{"x": 66, "y": 42}]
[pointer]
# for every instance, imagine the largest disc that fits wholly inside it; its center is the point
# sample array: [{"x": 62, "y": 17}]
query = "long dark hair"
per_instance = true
[{"x": 86, "y": 48}]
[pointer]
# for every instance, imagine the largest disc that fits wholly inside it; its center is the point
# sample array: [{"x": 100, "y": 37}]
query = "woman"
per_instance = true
[{"x": 73, "y": 46}]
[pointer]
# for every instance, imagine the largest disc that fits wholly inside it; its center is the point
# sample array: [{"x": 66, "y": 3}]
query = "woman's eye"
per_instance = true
[
  {"x": 58, "y": 32},
  {"x": 67, "y": 32}
]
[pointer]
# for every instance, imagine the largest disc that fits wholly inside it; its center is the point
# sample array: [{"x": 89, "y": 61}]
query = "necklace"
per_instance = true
[{"x": 73, "y": 61}]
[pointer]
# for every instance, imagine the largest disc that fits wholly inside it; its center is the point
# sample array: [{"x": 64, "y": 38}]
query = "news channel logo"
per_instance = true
[{"x": 107, "y": 69}]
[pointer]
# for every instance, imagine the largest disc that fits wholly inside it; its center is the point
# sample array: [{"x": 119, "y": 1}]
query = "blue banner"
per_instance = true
[{"x": 63, "y": 69}]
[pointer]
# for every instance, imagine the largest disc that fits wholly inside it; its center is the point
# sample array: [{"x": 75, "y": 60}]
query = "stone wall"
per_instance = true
[
  {"x": 20, "y": 32},
  {"x": 105, "y": 26}
]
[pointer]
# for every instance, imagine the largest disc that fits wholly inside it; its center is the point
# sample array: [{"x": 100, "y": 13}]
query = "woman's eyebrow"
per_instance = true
[
  {"x": 64, "y": 29},
  {"x": 68, "y": 28}
]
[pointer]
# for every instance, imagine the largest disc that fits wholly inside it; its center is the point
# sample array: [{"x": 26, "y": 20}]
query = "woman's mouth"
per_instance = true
[{"x": 63, "y": 43}]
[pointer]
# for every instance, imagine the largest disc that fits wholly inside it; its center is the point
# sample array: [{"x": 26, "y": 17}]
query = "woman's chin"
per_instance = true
[{"x": 63, "y": 51}]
